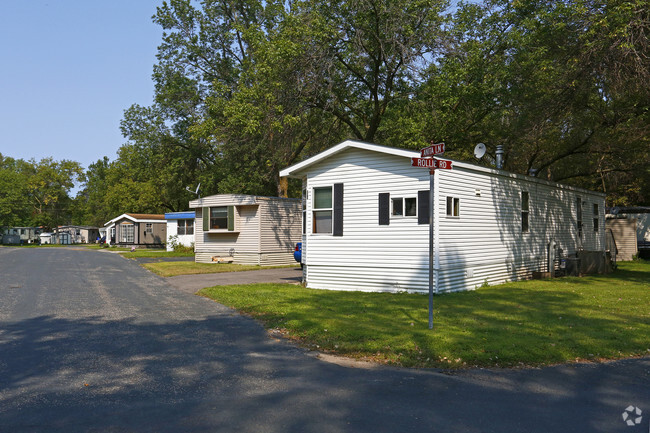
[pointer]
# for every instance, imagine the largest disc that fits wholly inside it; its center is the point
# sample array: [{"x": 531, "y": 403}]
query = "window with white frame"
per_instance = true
[
  {"x": 404, "y": 206},
  {"x": 185, "y": 227},
  {"x": 127, "y": 233},
  {"x": 219, "y": 217},
  {"x": 453, "y": 207},
  {"x": 322, "y": 210},
  {"x": 148, "y": 228}
]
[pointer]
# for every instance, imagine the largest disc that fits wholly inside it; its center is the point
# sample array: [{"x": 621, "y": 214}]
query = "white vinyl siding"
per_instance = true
[{"x": 485, "y": 243}]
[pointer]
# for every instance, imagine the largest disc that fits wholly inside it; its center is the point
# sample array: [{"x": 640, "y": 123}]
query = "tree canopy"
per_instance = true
[{"x": 246, "y": 88}]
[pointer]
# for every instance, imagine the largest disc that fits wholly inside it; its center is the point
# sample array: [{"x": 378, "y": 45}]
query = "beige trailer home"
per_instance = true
[{"x": 246, "y": 229}]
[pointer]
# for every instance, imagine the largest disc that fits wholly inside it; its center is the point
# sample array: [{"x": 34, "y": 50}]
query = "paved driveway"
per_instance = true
[
  {"x": 193, "y": 283},
  {"x": 90, "y": 342}
]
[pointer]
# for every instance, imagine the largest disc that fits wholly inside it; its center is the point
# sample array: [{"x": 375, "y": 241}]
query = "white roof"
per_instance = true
[
  {"x": 300, "y": 169},
  {"x": 348, "y": 144},
  {"x": 130, "y": 217}
]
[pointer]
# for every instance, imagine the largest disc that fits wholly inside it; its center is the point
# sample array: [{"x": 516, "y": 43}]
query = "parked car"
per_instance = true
[{"x": 297, "y": 253}]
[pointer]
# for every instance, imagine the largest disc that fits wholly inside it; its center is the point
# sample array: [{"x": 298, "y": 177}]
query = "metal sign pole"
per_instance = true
[{"x": 431, "y": 172}]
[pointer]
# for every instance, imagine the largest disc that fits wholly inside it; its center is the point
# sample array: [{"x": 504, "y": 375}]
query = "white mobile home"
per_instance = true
[
  {"x": 366, "y": 222},
  {"x": 180, "y": 229},
  {"x": 246, "y": 229}
]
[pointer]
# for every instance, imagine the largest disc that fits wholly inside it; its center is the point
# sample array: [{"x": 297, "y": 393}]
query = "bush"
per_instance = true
[{"x": 178, "y": 247}]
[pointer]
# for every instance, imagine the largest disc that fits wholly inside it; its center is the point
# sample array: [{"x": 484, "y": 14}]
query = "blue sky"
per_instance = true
[{"x": 69, "y": 69}]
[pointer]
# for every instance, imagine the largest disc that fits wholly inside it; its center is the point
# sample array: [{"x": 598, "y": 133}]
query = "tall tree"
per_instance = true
[
  {"x": 14, "y": 203},
  {"x": 544, "y": 79}
]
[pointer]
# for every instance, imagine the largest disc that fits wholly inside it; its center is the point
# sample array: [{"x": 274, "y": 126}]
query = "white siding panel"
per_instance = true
[
  {"x": 484, "y": 243},
  {"x": 172, "y": 230}
]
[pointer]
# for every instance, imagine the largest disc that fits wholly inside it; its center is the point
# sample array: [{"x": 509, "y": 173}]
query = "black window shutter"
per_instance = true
[
  {"x": 231, "y": 218},
  {"x": 423, "y": 207},
  {"x": 206, "y": 219},
  {"x": 384, "y": 208},
  {"x": 337, "y": 230}
]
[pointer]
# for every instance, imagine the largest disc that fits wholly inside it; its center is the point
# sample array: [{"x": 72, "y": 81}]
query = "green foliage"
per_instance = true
[
  {"x": 36, "y": 193},
  {"x": 177, "y": 247},
  {"x": 244, "y": 89},
  {"x": 563, "y": 86}
]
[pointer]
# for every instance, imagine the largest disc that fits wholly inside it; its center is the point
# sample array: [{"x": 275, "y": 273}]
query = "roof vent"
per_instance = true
[{"x": 499, "y": 155}]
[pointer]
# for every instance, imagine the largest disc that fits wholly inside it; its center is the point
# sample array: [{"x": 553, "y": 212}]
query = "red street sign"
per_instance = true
[
  {"x": 431, "y": 163},
  {"x": 434, "y": 149}
]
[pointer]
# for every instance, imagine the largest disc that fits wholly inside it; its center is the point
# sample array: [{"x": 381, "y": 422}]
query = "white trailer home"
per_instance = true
[
  {"x": 180, "y": 229},
  {"x": 366, "y": 222},
  {"x": 246, "y": 229}
]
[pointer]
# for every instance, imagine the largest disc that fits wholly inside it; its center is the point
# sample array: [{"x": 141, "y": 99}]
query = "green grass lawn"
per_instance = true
[
  {"x": 527, "y": 323},
  {"x": 155, "y": 254},
  {"x": 171, "y": 269}
]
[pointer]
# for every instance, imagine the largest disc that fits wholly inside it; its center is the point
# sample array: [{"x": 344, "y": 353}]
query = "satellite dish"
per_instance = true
[
  {"x": 187, "y": 188},
  {"x": 479, "y": 150}
]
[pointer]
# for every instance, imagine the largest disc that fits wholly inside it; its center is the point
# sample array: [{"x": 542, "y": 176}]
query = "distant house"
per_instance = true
[
  {"x": 130, "y": 229},
  {"x": 246, "y": 229},
  {"x": 21, "y": 235},
  {"x": 180, "y": 229},
  {"x": 367, "y": 216},
  {"x": 75, "y": 235}
]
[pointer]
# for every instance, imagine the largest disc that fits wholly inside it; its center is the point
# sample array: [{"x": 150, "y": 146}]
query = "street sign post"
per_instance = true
[
  {"x": 432, "y": 164},
  {"x": 434, "y": 149}
]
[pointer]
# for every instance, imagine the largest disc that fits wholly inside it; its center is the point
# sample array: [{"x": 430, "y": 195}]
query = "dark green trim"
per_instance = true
[
  {"x": 206, "y": 219},
  {"x": 231, "y": 218}
]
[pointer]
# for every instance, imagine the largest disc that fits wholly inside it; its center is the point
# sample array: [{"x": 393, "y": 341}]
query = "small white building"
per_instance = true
[
  {"x": 246, "y": 229},
  {"x": 641, "y": 215},
  {"x": 366, "y": 222},
  {"x": 180, "y": 229}
]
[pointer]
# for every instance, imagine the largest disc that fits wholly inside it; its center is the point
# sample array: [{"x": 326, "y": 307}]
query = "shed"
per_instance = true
[
  {"x": 46, "y": 238},
  {"x": 180, "y": 229},
  {"x": 129, "y": 229},
  {"x": 366, "y": 222},
  {"x": 624, "y": 233},
  {"x": 246, "y": 229},
  {"x": 642, "y": 216},
  {"x": 75, "y": 234}
]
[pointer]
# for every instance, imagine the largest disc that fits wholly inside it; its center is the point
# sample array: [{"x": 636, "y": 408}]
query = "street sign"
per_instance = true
[
  {"x": 431, "y": 163},
  {"x": 434, "y": 149}
]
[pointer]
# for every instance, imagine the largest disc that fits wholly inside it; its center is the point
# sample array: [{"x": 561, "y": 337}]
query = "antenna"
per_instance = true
[{"x": 479, "y": 150}]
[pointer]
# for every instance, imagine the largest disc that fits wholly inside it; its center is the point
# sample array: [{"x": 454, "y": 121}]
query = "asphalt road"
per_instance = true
[{"x": 91, "y": 342}]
